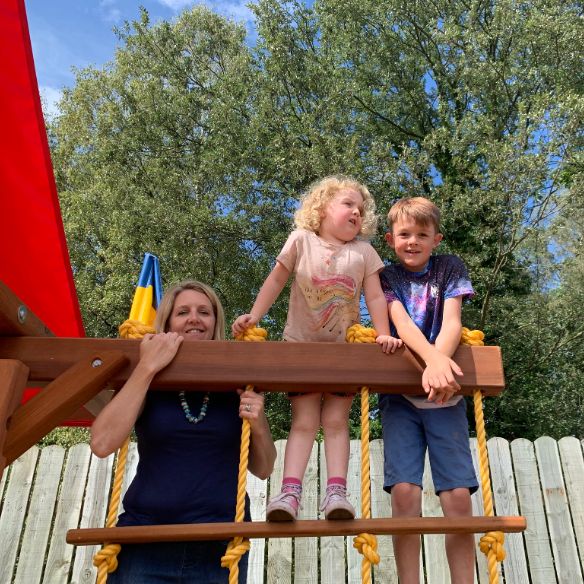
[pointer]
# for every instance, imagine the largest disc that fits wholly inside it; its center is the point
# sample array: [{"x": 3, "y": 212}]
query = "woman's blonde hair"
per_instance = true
[
  {"x": 167, "y": 304},
  {"x": 314, "y": 201},
  {"x": 419, "y": 209}
]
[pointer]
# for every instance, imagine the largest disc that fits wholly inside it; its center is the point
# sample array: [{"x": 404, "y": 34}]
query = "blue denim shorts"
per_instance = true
[
  {"x": 408, "y": 431},
  {"x": 196, "y": 562}
]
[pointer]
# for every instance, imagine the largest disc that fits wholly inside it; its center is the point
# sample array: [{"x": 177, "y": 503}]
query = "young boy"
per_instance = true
[{"x": 424, "y": 295}]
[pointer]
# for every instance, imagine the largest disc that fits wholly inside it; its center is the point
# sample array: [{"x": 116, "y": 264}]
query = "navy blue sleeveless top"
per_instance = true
[{"x": 187, "y": 473}]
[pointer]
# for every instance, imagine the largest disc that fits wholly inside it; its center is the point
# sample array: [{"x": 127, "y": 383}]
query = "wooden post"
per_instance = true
[
  {"x": 16, "y": 319},
  {"x": 13, "y": 376},
  {"x": 58, "y": 400}
]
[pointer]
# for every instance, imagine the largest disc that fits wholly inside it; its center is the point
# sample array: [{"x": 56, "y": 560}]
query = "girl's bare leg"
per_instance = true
[
  {"x": 305, "y": 424},
  {"x": 335, "y": 425}
]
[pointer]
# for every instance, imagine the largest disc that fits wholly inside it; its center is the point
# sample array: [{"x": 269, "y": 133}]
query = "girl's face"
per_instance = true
[
  {"x": 342, "y": 217},
  {"x": 192, "y": 316}
]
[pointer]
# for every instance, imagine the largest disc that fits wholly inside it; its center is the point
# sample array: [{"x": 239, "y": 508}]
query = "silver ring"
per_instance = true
[{"x": 247, "y": 407}]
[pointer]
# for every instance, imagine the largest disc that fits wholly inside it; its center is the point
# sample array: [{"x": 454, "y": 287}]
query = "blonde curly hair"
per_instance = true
[{"x": 320, "y": 193}]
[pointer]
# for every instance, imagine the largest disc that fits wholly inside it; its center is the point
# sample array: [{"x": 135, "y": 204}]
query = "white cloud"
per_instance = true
[
  {"x": 49, "y": 100},
  {"x": 176, "y": 5},
  {"x": 235, "y": 9},
  {"x": 109, "y": 11}
]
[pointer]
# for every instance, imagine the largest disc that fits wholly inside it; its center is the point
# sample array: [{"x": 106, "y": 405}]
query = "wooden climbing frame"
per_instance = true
[{"x": 72, "y": 371}]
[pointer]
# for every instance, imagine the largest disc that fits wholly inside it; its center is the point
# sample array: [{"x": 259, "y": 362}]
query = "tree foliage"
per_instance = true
[{"x": 194, "y": 145}]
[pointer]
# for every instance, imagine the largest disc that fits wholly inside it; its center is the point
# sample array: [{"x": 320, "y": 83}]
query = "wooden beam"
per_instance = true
[
  {"x": 75, "y": 386},
  {"x": 13, "y": 376},
  {"x": 270, "y": 366},
  {"x": 302, "y": 528},
  {"x": 16, "y": 319}
]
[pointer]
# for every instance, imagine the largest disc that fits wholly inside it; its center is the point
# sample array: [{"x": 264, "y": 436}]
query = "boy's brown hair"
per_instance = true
[{"x": 418, "y": 209}]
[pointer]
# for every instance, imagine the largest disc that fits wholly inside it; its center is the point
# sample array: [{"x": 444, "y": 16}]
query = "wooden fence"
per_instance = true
[{"x": 46, "y": 492}]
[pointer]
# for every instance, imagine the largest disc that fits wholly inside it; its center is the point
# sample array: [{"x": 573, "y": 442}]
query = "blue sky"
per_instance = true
[{"x": 68, "y": 34}]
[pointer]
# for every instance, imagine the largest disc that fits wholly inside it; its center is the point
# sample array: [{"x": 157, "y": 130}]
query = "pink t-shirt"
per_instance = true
[{"x": 325, "y": 294}]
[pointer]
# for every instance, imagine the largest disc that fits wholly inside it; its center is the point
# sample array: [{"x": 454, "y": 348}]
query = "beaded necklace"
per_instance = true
[{"x": 188, "y": 414}]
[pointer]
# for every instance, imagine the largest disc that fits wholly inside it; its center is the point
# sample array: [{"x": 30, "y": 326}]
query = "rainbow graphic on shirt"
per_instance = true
[{"x": 330, "y": 298}]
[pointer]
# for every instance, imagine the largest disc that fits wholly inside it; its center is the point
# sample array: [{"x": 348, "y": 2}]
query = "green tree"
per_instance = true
[
  {"x": 150, "y": 155},
  {"x": 463, "y": 102},
  {"x": 193, "y": 145}
]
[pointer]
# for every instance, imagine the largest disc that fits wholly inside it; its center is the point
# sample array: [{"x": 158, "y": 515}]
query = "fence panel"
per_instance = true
[
  {"x": 74, "y": 479},
  {"x": 46, "y": 492},
  {"x": 40, "y": 515},
  {"x": 536, "y": 537},
  {"x": 557, "y": 511}
]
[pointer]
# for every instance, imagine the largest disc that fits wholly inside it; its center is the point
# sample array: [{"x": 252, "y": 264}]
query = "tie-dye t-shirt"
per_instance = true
[
  {"x": 423, "y": 294},
  {"x": 325, "y": 293}
]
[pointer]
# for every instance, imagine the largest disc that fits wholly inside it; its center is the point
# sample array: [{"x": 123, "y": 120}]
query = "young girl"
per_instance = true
[{"x": 330, "y": 266}]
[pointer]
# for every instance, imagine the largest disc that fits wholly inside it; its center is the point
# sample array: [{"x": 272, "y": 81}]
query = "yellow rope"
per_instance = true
[
  {"x": 238, "y": 546},
  {"x": 134, "y": 329},
  {"x": 474, "y": 338},
  {"x": 491, "y": 544},
  {"x": 365, "y": 543},
  {"x": 252, "y": 334},
  {"x": 106, "y": 559}
]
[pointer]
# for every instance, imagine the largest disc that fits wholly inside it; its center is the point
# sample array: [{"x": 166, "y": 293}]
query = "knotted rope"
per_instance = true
[
  {"x": 491, "y": 544},
  {"x": 365, "y": 543},
  {"x": 134, "y": 329},
  {"x": 238, "y": 546},
  {"x": 106, "y": 559}
]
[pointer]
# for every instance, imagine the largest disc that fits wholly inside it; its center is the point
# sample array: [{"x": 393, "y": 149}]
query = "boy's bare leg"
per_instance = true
[
  {"x": 335, "y": 426},
  {"x": 406, "y": 501},
  {"x": 305, "y": 424},
  {"x": 460, "y": 548}
]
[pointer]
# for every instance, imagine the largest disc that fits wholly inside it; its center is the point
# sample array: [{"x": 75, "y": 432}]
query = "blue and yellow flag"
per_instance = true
[
  {"x": 146, "y": 300},
  {"x": 148, "y": 291}
]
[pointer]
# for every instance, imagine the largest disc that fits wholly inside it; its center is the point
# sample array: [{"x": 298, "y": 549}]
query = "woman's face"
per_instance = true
[{"x": 192, "y": 316}]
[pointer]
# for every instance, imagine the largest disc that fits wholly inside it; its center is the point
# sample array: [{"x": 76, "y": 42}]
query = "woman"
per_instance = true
[{"x": 188, "y": 445}]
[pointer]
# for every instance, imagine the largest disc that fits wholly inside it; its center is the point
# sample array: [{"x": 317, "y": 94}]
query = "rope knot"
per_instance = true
[
  {"x": 134, "y": 329},
  {"x": 236, "y": 548},
  {"x": 366, "y": 544},
  {"x": 108, "y": 557},
  {"x": 474, "y": 338},
  {"x": 252, "y": 334},
  {"x": 493, "y": 541},
  {"x": 360, "y": 334}
]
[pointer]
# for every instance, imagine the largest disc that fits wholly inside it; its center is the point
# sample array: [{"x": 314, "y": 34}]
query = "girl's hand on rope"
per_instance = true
[
  {"x": 438, "y": 378},
  {"x": 243, "y": 322},
  {"x": 388, "y": 343},
  {"x": 251, "y": 405},
  {"x": 157, "y": 351}
]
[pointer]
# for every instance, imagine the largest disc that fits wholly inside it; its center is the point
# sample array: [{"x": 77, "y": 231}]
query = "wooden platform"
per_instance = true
[{"x": 270, "y": 366}]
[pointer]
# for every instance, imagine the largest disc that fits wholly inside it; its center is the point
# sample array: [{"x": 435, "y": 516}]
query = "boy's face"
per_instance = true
[{"x": 413, "y": 243}]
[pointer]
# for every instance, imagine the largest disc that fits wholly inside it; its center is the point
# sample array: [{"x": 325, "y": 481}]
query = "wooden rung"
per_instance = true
[{"x": 303, "y": 528}]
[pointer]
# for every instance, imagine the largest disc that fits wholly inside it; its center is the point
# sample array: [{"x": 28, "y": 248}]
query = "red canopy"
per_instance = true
[{"x": 34, "y": 260}]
